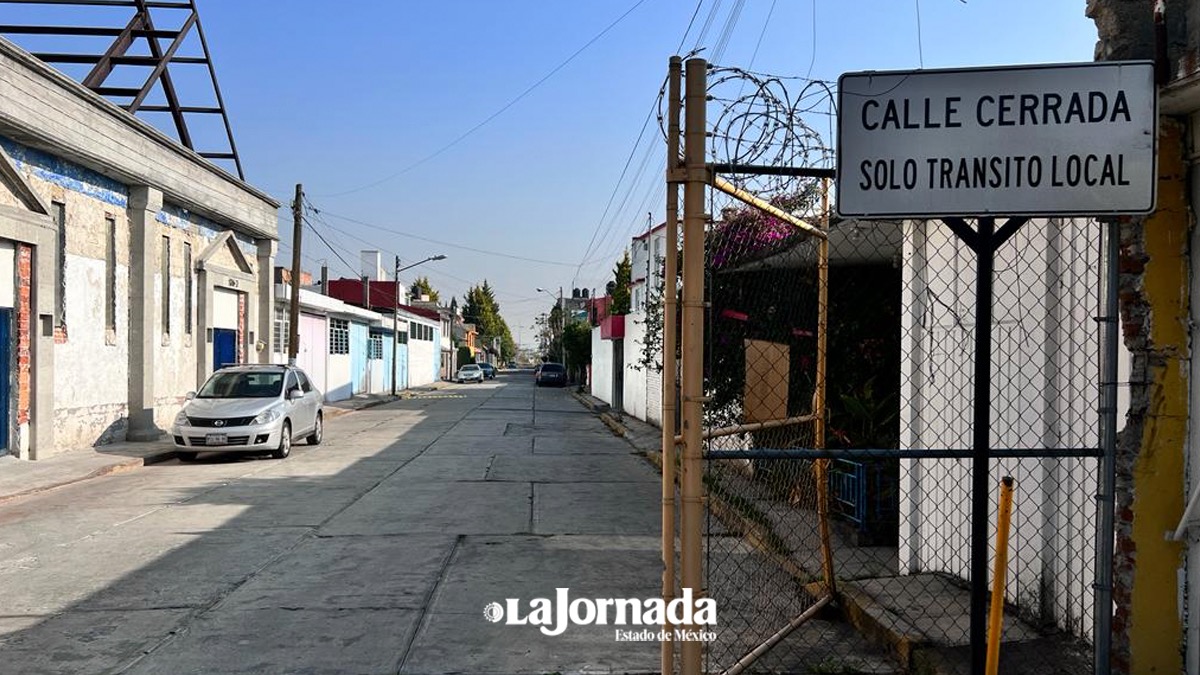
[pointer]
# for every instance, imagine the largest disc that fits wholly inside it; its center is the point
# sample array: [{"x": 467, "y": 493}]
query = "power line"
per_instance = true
[
  {"x": 731, "y": 22},
  {"x": 496, "y": 114},
  {"x": 440, "y": 242},
  {"x": 634, "y": 182},
  {"x": 712, "y": 14},
  {"x": 329, "y": 246},
  {"x": 689, "y": 26},
  {"x": 430, "y": 271},
  {"x": 763, "y": 32},
  {"x": 920, "y": 46},
  {"x": 616, "y": 188},
  {"x": 813, "y": 59}
]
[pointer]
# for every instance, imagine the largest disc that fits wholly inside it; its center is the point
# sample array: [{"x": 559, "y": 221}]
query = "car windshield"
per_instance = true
[
  {"x": 470, "y": 367},
  {"x": 552, "y": 368},
  {"x": 243, "y": 384}
]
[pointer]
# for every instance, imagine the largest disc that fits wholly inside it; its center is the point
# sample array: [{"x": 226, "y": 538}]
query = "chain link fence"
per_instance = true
[
  {"x": 880, "y": 522},
  {"x": 839, "y": 400}
]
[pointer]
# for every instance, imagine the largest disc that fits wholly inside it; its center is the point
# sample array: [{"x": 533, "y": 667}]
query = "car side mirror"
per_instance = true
[
  {"x": 190, "y": 395},
  {"x": 294, "y": 394}
]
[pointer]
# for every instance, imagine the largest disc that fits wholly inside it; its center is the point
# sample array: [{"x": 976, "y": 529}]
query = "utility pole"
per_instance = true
[
  {"x": 562, "y": 328},
  {"x": 395, "y": 321},
  {"x": 294, "y": 310}
]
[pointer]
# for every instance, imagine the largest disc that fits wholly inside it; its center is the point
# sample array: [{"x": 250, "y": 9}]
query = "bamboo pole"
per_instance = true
[
  {"x": 777, "y": 637},
  {"x": 747, "y": 198},
  {"x": 670, "y": 276},
  {"x": 754, "y": 426},
  {"x": 691, "y": 487},
  {"x": 996, "y": 619},
  {"x": 822, "y": 465}
]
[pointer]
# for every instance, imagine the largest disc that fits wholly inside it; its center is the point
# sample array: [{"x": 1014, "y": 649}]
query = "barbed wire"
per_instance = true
[{"x": 755, "y": 118}]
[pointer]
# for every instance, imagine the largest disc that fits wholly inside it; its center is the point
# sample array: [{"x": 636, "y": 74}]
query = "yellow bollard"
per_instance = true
[{"x": 996, "y": 618}]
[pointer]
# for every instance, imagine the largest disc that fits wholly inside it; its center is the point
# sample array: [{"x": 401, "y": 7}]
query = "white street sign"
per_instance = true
[{"x": 1076, "y": 139}]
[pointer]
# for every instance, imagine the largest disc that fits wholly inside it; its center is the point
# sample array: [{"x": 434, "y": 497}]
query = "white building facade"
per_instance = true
[{"x": 123, "y": 256}]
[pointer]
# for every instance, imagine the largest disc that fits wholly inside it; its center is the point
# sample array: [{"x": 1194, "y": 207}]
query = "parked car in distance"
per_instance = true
[
  {"x": 489, "y": 371},
  {"x": 551, "y": 374},
  {"x": 250, "y": 408},
  {"x": 469, "y": 373}
]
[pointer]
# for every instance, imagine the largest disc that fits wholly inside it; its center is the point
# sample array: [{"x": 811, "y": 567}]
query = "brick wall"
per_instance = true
[
  {"x": 241, "y": 329},
  {"x": 23, "y": 327}
]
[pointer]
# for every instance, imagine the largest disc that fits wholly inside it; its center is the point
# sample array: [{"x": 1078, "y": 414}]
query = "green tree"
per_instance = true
[
  {"x": 622, "y": 278},
  {"x": 652, "y": 343},
  {"x": 554, "y": 333},
  {"x": 577, "y": 338},
  {"x": 422, "y": 287},
  {"x": 464, "y": 356},
  {"x": 480, "y": 308}
]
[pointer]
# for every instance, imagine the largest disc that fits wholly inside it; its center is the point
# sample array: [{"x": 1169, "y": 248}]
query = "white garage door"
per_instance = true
[{"x": 225, "y": 309}]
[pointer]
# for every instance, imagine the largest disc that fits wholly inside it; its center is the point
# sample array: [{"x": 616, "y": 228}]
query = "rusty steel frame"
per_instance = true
[{"x": 139, "y": 27}]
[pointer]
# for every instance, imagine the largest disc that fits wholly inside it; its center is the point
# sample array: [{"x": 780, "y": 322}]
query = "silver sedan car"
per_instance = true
[
  {"x": 250, "y": 408},
  {"x": 470, "y": 373}
]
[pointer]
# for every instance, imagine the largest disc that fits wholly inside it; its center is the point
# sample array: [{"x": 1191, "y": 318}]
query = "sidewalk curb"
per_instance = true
[
  {"x": 165, "y": 455},
  {"x": 759, "y": 536},
  {"x": 125, "y": 466},
  {"x": 611, "y": 421},
  {"x": 331, "y": 412}
]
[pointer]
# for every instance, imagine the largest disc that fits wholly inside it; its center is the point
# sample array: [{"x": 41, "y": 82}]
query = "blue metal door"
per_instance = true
[
  {"x": 5, "y": 373},
  {"x": 224, "y": 347}
]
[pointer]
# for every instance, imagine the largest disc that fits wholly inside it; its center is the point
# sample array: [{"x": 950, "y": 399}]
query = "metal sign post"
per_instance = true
[
  {"x": 1023, "y": 141},
  {"x": 984, "y": 241}
]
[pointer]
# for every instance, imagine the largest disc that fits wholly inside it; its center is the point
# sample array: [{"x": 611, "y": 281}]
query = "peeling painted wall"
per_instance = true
[
  {"x": 1046, "y": 346},
  {"x": 88, "y": 410}
]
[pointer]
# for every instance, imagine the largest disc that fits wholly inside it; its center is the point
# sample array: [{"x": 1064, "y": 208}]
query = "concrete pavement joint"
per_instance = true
[
  {"x": 422, "y": 619},
  {"x": 189, "y": 620},
  {"x": 532, "y": 509}
]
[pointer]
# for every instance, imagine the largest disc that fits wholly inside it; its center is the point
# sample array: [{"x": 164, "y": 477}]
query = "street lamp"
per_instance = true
[
  {"x": 396, "y": 308},
  {"x": 562, "y": 323}
]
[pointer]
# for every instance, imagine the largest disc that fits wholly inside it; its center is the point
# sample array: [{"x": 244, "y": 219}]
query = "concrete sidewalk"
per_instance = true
[{"x": 20, "y": 478}]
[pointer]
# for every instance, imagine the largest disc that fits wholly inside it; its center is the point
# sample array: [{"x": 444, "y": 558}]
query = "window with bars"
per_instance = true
[
  {"x": 282, "y": 332},
  {"x": 375, "y": 347},
  {"x": 187, "y": 288},
  {"x": 165, "y": 261},
  {"x": 339, "y": 336},
  {"x": 59, "y": 211},
  {"x": 110, "y": 273}
]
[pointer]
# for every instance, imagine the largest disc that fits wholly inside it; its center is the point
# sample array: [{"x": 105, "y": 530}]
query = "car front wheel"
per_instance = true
[
  {"x": 315, "y": 437},
  {"x": 285, "y": 442}
]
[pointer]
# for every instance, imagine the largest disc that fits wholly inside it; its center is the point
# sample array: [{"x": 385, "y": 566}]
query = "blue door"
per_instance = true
[
  {"x": 224, "y": 347},
  {"x": 5, "y": 372}
]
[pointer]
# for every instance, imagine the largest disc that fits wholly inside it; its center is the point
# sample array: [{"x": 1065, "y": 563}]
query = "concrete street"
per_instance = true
[{"x": 375, "y": 552}]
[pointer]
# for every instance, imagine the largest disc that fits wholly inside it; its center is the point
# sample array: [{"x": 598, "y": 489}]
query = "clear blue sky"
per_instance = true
[{"x": 341, "y": 95}]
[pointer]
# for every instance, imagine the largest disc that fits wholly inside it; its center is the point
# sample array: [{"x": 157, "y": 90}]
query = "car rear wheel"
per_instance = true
[
  {"x": 315, "y": 437},
  {"x": 285, "y": 442},
  {"x": 186, "y": 455}
]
